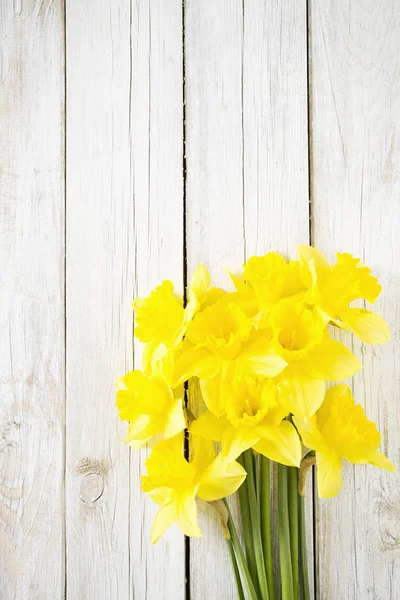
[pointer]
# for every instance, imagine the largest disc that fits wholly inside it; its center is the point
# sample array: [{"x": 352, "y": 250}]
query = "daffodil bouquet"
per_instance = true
[{"x": 262, "y": 356}]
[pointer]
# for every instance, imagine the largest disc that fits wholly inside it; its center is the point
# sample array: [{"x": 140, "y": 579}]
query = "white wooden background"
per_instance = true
[{"x": 133, "y": 133}]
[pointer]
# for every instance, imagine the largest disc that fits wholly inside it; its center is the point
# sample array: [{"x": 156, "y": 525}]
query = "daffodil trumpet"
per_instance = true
[{"x": 271, "y": 403}]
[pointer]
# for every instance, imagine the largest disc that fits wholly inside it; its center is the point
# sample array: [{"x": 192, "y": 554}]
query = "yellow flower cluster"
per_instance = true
[{"x": 263, "y": 355}]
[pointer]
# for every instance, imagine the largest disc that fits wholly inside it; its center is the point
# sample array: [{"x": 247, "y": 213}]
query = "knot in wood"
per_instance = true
[{"x": 91, "y": 487}]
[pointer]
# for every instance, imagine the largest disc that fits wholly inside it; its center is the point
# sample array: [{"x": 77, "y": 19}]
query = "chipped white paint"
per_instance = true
[
  {"x": 246, "y": 192},
  {"x": 355, "y": 113}
]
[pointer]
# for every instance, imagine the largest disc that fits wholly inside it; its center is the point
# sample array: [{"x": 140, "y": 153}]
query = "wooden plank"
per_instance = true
[
  {"x": 214, "y": 196},
  {"x": 355, "y": 207},
  {"x": 276, "y": 194},
  {"x": 157, "y": 154},
  {"x": 247, "y": 167},
  {"x": 32, "y": 300},
  {"x": 99, "y": 287}
]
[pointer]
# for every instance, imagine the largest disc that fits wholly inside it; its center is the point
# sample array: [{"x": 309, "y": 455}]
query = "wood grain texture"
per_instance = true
[
  {"x": 355, "y": 111},
  {"x": 215, "y": 215},
  {"x": 275, "y": 153},
  {"x": 99, "y": 287},
  {"x": 247, "y": 169},
  {"x": 157, "y": 153},
  {"x": 32, "y": 300}
]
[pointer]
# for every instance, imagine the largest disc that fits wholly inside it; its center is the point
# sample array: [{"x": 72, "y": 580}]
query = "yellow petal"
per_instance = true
[
  {"x": 379, "y": 460},
  {"x": 329, "y": 474},
  {"x": 209, "y": 427},
  {"x": 202, "y": 452},
  {"x": 236, "y": 440},
  {"x": 195, "y": 362},
  {"x": 220, "y": 480},
  {"x": 140, "y": 431},
  {"x": 186, "y": 515},
  {"x": 281, "y": 444},
  {"x": 258, "y": 358},
  {"x": 213, "y": 392},
  {"x": 167, "y": 467},
  {"x": 331, "y": 361},
  {"x": 301, "y": 394},
  {"x": 241, "y": 286},
  {"x": 310, "y": 435},
  {"x": 161, "y": 496},
  {"x": 163, "y": 519},
  {"x": 200, "y": 280},
  {"x": 212, "y": 296},
  {"x": 366, "y": 325},
  {"x": 159, "y": 315},
  {"x": 176, "y": 419},
  {"x": 345, "y": 427},
  {"x": 309, "y": 256}
]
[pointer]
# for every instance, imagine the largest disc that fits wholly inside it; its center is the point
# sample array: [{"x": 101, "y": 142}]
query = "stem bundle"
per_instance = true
[{"x": 253, "y": 569}]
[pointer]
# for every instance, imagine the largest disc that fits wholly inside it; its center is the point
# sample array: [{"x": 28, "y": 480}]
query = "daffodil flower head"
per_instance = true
[
  {"x": 254, "y": 419},
  {"x": 151, "y": 407},
  {"x": 219, "y": 341},
  {"x": 161, "y": 320},
  {"x": 272, "y": 278},
  {"x": 297, "y": 330},
  {"x": 221, "y": 328},
  {"x": 340, "y": 429},
  {"x": 332, "y": 288},
  {"x": 173, "y": 483},
  {"x": 159, "y": 316},
  {"x": 312, "y": 358}
]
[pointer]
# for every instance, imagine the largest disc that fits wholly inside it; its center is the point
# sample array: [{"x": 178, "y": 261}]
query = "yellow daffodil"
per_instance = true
[
  {"x": 161, "y": 319},
  {"x": 272, "y": 278},
  {"x": 254, "y": 419},
  {"x": 332, "y": 288},
  {"x": 150, "y": 406},
  {"x": 173, "y": 483},
  {"x": 339, "y": 430},
  {"x": 220, "y": 341},
  {"x": 266, "y": 280},
  {"x": 300, "y": 338}
]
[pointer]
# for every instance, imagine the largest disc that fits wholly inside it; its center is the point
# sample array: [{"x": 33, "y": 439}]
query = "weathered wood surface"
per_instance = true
[
  {"x": 241, "y": 70},
  {"x": 156, "y": 131},
  {"x": 355, "y": 118},
  {"x": 99, "y": 286},
  {"x": 32, "y": 400},
  {"x": 246, "y": 167}
]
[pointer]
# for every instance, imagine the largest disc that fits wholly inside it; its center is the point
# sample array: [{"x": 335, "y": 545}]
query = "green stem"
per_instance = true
[
  {"x": 240, "y": 556},
  {"x": 265, "y": 503},
  {"x": 246, "y": 522},
  {"x": 257, "y": 476},
  {"x": 303, "y": 549},
  {"x": 236, "y": 570},
  {"x": 255, "y": 524},
  {"x": 294, "y": 526},
  {"x": 284, "y": 534}
]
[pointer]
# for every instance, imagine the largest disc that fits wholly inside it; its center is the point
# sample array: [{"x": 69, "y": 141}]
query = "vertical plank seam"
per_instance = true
[
  {"x": 132, "y": 190},
  {"x": 242, "y": 125},
  {"x": 310, "y": 239},
  {"x": 64, "y": 4},
  {"x": 184, "y": 272}
]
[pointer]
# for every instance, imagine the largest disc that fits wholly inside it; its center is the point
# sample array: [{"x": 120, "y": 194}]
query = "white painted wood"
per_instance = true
[
  {"x": 157, "y": 178},
  {"x": 247, "y": 168},
  {"x": 214, "y": 196},
  {"x": 276, "y": 195},
  {"x": 32, "y": 300},
  {"x": 99, "y": 288},
  {"x": 355, "y": 207}
]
